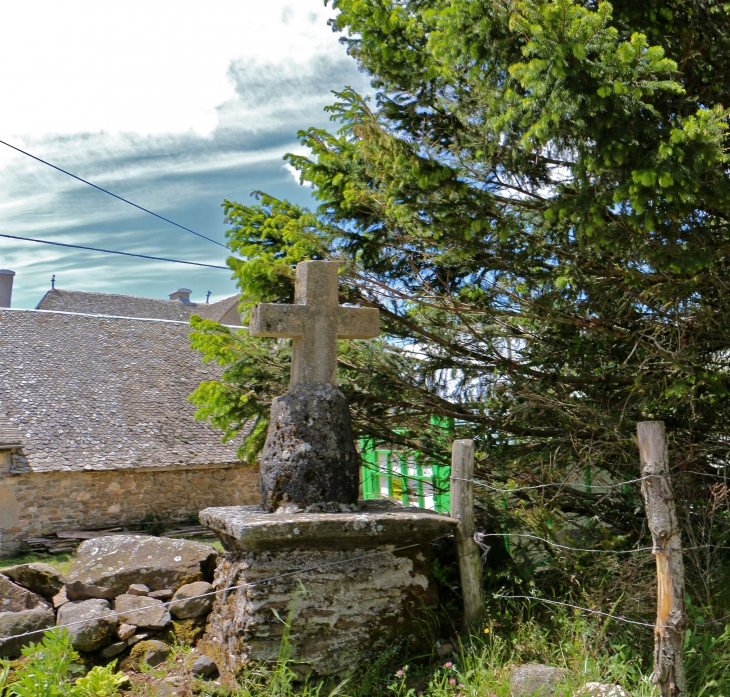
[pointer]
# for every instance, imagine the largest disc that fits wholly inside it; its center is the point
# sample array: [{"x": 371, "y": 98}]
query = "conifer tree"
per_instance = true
[{"x": 537, "y": 201}]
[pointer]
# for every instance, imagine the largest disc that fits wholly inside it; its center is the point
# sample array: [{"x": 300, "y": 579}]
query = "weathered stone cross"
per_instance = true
[{"x": 315, "y": 322}]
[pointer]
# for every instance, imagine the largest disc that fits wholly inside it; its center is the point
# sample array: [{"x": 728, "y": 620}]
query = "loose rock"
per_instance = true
[
  {"x": 168, "y": 687},
  {"x": 43, "y": 579},
  {"x": 138, "y": 589},
  {"x": 148, "y": 613},
  {"x": 92, "y": 623},
  {"x": 60, "y": 598},
  {"x": 117, "y": 561},
  {"x": 15, "y": 598},
  {"x": 151, "y": 652},
  {"x": 164, "y": 595},
  {"x": 535, "y": 680},
  {"x": 445, "y": 650},
  {"x": 204, "y": 667},
  {"x": 124, "y": 631},
  {"x": 113, "y": 649},
  {"x": 186, "y": 606},
  {"x": 14, "y": 623},
  {"x": 136, "y": 638},
  {"x": 78, "y": 590}
]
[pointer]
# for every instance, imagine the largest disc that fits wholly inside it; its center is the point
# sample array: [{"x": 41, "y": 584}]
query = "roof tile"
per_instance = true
[{"x": 89, "y": 392}]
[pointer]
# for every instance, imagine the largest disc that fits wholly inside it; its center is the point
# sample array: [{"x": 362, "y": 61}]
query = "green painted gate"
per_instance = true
[{"x": 405, "y": 476}]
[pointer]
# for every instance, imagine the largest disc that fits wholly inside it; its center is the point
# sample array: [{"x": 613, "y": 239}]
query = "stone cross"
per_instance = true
[{"x": 315, "y": 322}]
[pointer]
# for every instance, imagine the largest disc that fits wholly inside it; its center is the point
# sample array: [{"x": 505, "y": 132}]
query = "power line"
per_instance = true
[
  {"x": 106, "y": 191},
  {"x": 111, "y": 251}
]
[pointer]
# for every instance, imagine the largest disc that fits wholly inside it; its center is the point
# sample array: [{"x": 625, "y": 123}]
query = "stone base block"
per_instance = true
[{"x": 347, "y": 585}]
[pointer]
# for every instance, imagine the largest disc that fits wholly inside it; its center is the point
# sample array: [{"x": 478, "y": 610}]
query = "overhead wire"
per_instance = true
[
  {"x": 112, "y": 251},
  {"x": 106, "y": 191}
]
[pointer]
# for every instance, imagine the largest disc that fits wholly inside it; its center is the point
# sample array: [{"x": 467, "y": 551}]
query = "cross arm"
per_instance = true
[
  {"x": 272, "y": 319},
  {"x": 358, "y": 322}
]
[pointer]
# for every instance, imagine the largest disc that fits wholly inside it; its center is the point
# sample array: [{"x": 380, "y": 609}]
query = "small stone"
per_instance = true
[
  {"x": 40, "y": 578},
  {"x": 138, "y": 589},
  {"x": 113, "y": 649},
  {"x": 535, "y": 680},
  {"x": 91, "y": 623},
  {"x": 445, "y": 650},
  {"x": 141, "y": 611},
  {"x": 204, "y": 667},
  {"x": 164, "y": 595},
  {"x": 60, "y": 598},
  {"x": 151, "y": 652},
  {"x": 168, "y": 687},
  {"x": 124, "y": 631},
  {"x": 78, "y": 590},
  {"x": 136, "y": 638},
  {"x": 186, "y": 603}
]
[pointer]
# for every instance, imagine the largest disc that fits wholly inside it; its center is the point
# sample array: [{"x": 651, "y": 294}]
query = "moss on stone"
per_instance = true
[
  {"x": 189, "y": 631},
  {"x": 140, "y": 649}
]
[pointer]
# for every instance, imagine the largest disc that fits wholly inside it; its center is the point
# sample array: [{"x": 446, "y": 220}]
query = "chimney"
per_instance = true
[
  {"x": 6, "y": 287},
  {"x": 182, "y": 294}
]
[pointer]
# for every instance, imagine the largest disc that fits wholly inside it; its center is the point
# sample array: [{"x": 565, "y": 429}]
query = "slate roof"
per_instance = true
[
  {"x": 131, "y": 306},
  {"x": 88, "y": 392},
  {"x": 10, "y": 435}
]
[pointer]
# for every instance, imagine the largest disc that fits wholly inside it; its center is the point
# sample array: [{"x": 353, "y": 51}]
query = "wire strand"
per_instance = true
[
  {"x": 554, "y": 484},
  {"x": 114, "y": 614},
  {"x": 583, "y": 609},
  {"x": 572, "y": 549},
  {"x": 111, "y": 251},
  {"x": 106, "y": 191}
]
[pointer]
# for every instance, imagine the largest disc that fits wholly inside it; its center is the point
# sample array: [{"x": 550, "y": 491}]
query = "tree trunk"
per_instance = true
[
  {"x": 462, "y": 508},
  {"x": 662, "y": 519}
]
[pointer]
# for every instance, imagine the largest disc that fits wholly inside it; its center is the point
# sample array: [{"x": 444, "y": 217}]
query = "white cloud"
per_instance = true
[
  {"x": 146, "y": 66},
  {"x": 173, "y": 104}
]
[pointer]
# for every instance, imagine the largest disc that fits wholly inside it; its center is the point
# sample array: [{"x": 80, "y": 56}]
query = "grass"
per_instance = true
[
  {"x": 62, "y": 562},
  {"x": 477, "y": 668}
]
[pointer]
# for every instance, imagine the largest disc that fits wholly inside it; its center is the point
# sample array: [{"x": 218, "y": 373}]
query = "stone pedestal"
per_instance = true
[
  {"x": 309, "y": 461},
  {"x": 352, "y": 584}
]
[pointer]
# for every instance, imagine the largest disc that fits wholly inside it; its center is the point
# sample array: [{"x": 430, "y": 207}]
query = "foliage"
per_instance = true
[
  {"x": 50, "y": 668},
  {"x": 100, "y": 681},
  {"x": 537, "y": 203}
]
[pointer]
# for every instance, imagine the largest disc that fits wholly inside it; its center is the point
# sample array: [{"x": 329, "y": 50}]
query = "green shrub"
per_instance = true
[{"x": 51, "y": 671}]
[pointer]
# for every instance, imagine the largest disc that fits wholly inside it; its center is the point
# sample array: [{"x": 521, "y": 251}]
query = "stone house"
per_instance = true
[{"x": 95, "y": 424}]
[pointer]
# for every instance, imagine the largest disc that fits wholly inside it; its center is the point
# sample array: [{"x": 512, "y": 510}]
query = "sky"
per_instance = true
[{"x": 175, "y": 105}]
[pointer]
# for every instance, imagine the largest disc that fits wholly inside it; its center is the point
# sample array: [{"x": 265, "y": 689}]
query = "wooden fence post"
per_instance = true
[
  {"x": 462, "y": 508},
  {"x": 662, "y": 520}
]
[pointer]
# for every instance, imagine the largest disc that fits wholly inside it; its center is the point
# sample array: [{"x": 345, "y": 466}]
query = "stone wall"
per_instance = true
[{"x": 38, "y": 504}]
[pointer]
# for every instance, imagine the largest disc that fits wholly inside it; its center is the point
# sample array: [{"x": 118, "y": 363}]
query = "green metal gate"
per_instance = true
[{"x": 406, "y": 476}]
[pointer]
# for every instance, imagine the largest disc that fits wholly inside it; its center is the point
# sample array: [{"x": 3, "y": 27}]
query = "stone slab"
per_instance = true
[
  {"x": 344, "y": 579},
  {"x": 375, "y": 523}
]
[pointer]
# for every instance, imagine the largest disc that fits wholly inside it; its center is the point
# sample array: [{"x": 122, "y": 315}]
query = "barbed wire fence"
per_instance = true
[{"x": 478, "y": 540}]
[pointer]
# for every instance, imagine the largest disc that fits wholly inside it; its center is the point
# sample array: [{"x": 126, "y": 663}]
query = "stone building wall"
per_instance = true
[{"x": 39, "y": 504}]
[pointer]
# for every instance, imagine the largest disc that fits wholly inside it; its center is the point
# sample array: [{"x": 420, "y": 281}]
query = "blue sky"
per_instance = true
[{"x": 175, "y": 105}]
